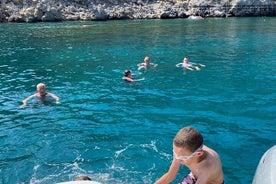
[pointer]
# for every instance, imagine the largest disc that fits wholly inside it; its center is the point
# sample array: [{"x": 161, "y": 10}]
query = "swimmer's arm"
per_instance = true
[
  {"x": 201, "y": 64},
  {"x": 153, "y": 64},
  {"x": 141, "y": 67},
  {"x": 140, "y": 64},
  {"x": 55, "y": 97},
  {"x": 193, "y": 65},
  {"x": 128, "y": 79},
  {"x": 197, "y": 68},
  {"x": 189, "y": 68},
  {"x": 138, "y": 79},
  {"x": 26, "y": 99},
  {"x": 170, "y": 175},
  {"x": 132, "y": 80},
  {"x": 198, "y": 64},
  {"x": 178, "y": 65}
]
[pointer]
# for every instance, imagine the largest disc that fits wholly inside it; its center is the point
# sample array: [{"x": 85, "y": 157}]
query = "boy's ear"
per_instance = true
[{"x": 200, "y": 153}]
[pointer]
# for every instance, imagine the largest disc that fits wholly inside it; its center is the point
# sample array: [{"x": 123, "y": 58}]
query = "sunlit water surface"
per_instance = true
[{"x": 118, "y": 132}]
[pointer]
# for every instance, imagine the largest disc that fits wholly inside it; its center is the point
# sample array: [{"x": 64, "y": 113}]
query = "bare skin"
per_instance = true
[
  {"x": 146, "y": 64},
  {"x": 41, "y": 93},
  {"x": 204, "y": 164},
  {"x": 189, "y": 65},
  {"x": 128, "y": 77}
]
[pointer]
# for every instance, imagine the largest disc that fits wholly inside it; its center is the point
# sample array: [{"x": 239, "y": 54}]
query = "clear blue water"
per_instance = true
[{"x": 118, "y": 132}]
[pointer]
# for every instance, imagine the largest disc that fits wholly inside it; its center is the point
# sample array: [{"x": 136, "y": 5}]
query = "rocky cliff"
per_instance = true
[{"x": 88, "y": 10}]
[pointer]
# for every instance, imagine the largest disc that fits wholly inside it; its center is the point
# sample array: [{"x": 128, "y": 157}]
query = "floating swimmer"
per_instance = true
[
  {"x": 41, "y": 94},
  {"x": 189, "y": 65},
  {"x": 146, "y": 64},
  {"x": 128, "y": 77}
]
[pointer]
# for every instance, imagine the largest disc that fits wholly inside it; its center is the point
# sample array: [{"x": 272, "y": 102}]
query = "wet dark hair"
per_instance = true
[{"x": 127, "y": 72}]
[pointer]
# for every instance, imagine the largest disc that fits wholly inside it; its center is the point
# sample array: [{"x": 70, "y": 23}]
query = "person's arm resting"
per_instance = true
[
  {"x": 178, "y": 65},
  {"x": 26, "y": 100},
  {"x": 55, "y": 97},
  {"x": 170, "y": 175}
]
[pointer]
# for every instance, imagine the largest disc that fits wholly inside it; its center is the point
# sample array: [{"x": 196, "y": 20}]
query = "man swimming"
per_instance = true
[
  {"x": 146, "y": 64},
  {"x": 41, "y": 94}
]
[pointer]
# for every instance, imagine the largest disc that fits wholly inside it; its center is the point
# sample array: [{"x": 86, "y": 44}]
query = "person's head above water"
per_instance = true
[
  {"x": 186, "y": 60},
  {"x": 41, "y": 89},
  {"x": 147, "y": 60},
  {"x": 127, "y": 73}
]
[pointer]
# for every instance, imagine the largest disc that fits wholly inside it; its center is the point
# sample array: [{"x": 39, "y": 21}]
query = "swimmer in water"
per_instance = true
[
  {"x": 189, "y": 65},
  {"x": 128, "y": 77},
  {"x": 41, "y": 94},
  {"x": 146, "y": 64}
]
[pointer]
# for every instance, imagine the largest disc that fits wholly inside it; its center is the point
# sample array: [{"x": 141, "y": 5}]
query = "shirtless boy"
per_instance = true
[{"x": 203, "y": 162}]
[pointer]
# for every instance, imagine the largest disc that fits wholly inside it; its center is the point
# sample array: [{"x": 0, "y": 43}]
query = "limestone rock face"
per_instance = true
[
  {"x": 99, "y": 13},
  {"x": 52, "y": 14},
  {"x": 2, "y": 16},
  {"x": 31, "y": 14},
  {"x": 87, "y": 10}
]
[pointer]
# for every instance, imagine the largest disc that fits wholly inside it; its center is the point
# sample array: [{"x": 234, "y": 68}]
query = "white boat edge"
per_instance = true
[{"x": 266, "y": 169}]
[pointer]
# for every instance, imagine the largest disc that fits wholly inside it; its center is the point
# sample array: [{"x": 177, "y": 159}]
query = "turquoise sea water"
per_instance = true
[{"x": 118, "y": 132}]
